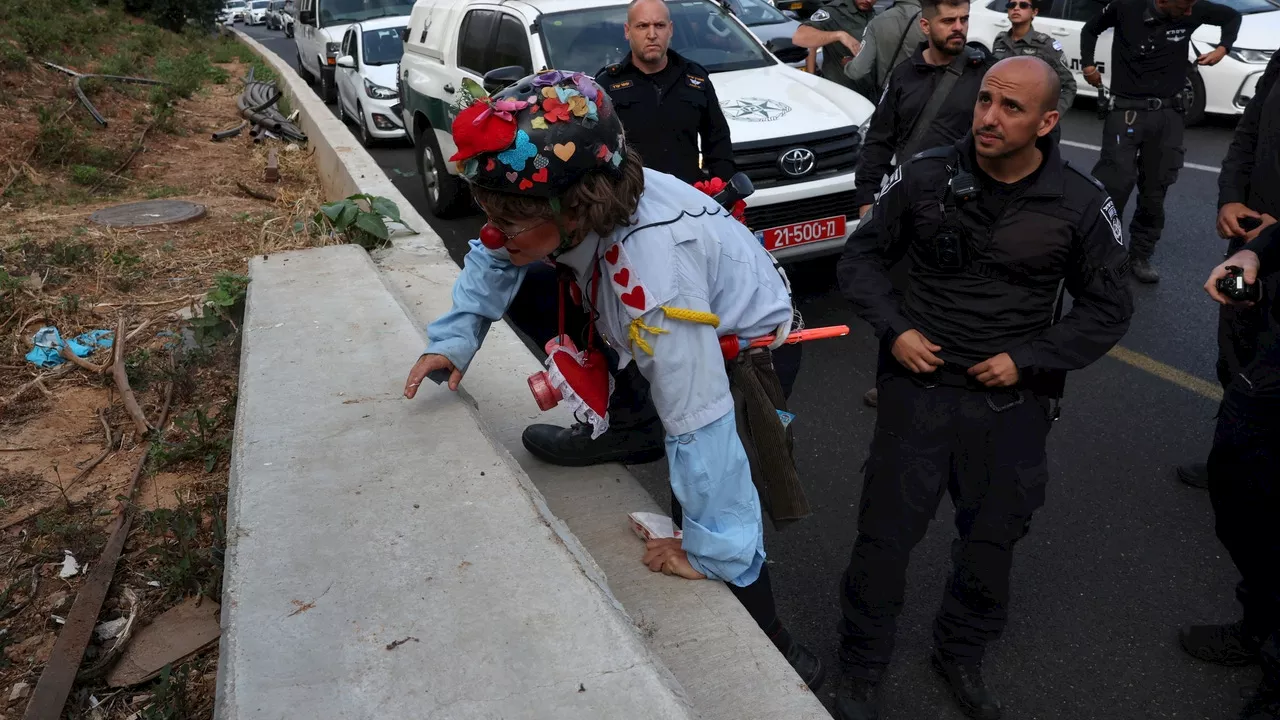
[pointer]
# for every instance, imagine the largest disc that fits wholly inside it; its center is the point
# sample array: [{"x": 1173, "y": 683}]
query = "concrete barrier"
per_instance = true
[
  {"x": 386, "y": 558},
  {"x": 726, "y": 665}
]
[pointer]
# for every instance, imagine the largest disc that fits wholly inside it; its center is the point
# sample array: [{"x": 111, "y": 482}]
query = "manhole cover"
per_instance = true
[{"x": 148, "y": 212}]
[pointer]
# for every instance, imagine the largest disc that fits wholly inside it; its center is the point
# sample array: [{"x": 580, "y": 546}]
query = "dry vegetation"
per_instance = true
[{"x": 68, "y": 446}]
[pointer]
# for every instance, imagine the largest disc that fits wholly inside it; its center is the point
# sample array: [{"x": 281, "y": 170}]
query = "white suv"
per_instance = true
[
  {"x": 319, "y": 28},
  {"x": 794, "y": 134}
]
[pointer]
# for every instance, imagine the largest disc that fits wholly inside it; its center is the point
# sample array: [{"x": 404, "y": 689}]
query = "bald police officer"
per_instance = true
[
  {"x": 1022, "y": 39},
  {"x": 837, "y": 28}
]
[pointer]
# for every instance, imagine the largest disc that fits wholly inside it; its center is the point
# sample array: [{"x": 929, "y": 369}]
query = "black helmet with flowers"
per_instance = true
[{"x": 539, "y": 136}]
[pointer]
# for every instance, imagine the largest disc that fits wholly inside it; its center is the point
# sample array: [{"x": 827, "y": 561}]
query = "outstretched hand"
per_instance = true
[
  {"x": 667, "y": 555},
  {"x": 427, "y": 364}
]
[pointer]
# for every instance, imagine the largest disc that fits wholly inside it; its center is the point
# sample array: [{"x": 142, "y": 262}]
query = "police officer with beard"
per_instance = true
[
  {"x": 1142, "y": 135},
  {"x": 972, "y": 358}
]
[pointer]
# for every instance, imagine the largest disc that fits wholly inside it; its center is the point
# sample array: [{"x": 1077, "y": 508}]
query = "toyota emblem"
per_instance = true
[{"x": 797, "y": 162}]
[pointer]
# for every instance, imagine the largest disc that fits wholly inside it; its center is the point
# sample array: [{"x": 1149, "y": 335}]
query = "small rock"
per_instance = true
[
  {"x": 20, "y": 691},
  {"x": 415, "y": 506},
  {"x": 58, "y": 602},
  {"x": 110, "y": 629}
]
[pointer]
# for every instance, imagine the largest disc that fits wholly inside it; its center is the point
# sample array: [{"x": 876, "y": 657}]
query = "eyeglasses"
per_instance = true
[
  {"x": 494, "y": 237},
  {"x": 1019, "y": 5}
]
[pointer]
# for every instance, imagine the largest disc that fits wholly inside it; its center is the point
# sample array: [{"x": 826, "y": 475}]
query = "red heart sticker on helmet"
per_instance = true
[
  {"x": 489, "y": 165},
  {"x": 612, "y": 255},
  {"x": 525, "y": 184},
  {"x": 540, "y": 176},
  {"x": 491, "y": 134}
]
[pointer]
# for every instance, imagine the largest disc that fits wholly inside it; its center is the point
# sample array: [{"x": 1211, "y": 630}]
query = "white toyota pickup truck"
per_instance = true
[{"x": 796, "y": 135}]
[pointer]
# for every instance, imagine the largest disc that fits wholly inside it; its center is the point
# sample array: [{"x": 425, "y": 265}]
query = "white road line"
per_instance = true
[{"x": 1095, "y": 148}]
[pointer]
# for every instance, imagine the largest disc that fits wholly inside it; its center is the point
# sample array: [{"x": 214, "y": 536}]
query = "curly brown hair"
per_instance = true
[{"x": 599, "y": 202}]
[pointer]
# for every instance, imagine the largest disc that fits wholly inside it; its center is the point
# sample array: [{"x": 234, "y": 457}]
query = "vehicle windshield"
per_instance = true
[
  {"x": 383, "y": 47},
  {"x": 235, "y": 6},
  {"x": 587, "y": 40},
  {"x": 1249, "y": 7},
  {"x": 260, "y": 4},
  {"x": 345, "y": 12},
  {"x": 757, "y": 12}
]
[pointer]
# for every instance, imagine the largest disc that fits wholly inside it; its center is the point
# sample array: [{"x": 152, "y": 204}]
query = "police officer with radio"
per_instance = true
[
  {"x": 837, "y": 28},
  {"x": 667, "y": 102},
  {"x": 1142, "y": 133},
  {"x": 972, "y": 359},
  {"x": 1248, "y": 202}
]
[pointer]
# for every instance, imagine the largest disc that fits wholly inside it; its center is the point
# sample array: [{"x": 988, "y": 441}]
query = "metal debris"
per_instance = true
[{"x": 84, "y": 99}]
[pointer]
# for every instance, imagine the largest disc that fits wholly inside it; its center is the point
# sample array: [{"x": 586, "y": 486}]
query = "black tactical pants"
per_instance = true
[
  {"x": 1244, "y": 485},
  {"x": 987, "y": 449},
  {"x": 1142, "y": 147}
]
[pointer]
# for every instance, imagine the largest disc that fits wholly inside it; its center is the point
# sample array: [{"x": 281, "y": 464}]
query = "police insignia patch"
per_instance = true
[
  {"x": 1113, "y": 219},
  {"x": 820, "y": 15},
  {"x": 620, "y": 85},
  {"x": 891, "y": 180},
  {"x": 695, "y": 81},
  {"x": 1057, "y": 46}
]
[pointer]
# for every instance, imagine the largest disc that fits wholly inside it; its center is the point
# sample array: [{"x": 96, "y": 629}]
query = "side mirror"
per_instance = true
[
  {"x": 498, "y": 78},
  {"x": 346, "y": 61},
  {"x": 404, "y": 34},
  {"x": 307, "y": 17}
]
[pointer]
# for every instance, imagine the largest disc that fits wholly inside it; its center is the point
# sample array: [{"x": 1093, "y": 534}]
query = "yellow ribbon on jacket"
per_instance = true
[{"x": 638, "y": 325}]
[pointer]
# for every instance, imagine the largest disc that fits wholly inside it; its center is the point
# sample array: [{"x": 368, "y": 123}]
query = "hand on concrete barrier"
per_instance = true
[
  {"x": 667, "y": 555},
  {"x": 428, "y": 364}
]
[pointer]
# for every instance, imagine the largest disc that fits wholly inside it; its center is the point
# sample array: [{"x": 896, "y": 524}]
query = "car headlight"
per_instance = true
[
  {"x": 332, "y": 49},
  {"x": 1253, "y": 57},
  {"x": 377, "y": 91}
]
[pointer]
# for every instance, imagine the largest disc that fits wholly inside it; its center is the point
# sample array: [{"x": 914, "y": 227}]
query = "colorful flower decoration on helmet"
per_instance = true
[{"x": 539, "y": 135}]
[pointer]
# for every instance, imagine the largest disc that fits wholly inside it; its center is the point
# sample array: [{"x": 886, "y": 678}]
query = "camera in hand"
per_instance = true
[{"x": 1235, "y": 288}]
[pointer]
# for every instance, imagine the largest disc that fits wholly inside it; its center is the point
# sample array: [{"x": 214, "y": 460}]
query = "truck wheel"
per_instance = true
[
  {"x": 1193, "y": 99},
  {"x": 302, "y": 72},
  {"x": 328, "y": 87},
  {"x": 447, "y": 196}
]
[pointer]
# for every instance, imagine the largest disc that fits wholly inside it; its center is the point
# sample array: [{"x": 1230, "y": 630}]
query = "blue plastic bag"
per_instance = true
[{"x": 48, "y": 342}]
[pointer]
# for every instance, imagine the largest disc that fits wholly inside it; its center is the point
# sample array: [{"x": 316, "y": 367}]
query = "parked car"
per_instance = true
[
  {"x": 290, "y": 12},
  {"x": 1223, "y": 89},
  {"x": 257, "y": 14},
  {"x": 277, "y": 12},
  {"x": 234, "y": 11},
  {"x": 320, "y": 26},
  {"x": 366, "y": 78},
  {"x": 773, "y": 27},
  {"x": 794, "y": 134}
]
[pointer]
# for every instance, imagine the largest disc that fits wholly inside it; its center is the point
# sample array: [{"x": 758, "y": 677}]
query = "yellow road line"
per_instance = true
[{"x": 1186, "y": 381}]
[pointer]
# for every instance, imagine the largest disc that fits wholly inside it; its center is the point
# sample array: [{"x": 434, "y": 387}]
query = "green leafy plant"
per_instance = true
[
  {"x": 366, "y": 228},
  {"x": 192, "y": 547},
  {"x": 71, "y": 254},
  {"x": 128, "y": 269},
  {"x": 204, "y": 437},
  {"x": 169, "y": 700},
  {"x": 223, "y": 308}
]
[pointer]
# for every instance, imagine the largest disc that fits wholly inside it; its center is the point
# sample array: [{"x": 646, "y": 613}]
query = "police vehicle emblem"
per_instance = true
[
  {"x": 754, "y": 109},
  {"x": 819, "y": 16},
  {"x": 1113, "y": 219}
]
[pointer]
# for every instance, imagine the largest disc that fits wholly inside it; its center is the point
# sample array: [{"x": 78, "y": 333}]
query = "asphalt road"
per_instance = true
[{"x": 1121, "y": 555}]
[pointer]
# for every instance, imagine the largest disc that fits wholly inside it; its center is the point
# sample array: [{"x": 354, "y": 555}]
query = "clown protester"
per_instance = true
[{"x": 653, "y": 273}]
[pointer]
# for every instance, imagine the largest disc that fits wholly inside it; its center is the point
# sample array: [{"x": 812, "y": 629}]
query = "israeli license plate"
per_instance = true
[{"x": 802, "y": 233}]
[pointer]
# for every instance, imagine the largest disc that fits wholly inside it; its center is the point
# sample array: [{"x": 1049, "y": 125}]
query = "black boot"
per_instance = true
[
  {"x": 573, "y": 446},
  {"x": 860, "y": 702},
  {"x": 1196, "y": 475},
  {"x": 968, "y": 688},
  {"x": 805, "y": 663},
  {"x": 1226, "y": 645},
  {"x": 1143, "y": 271}
]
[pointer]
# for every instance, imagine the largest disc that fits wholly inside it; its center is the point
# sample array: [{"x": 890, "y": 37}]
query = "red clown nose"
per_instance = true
[{"x": 491, "y": 237}]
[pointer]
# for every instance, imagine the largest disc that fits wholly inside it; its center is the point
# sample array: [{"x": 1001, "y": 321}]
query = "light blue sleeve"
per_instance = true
[
  {"x": 483, "y": 292},
  {"x": 710, "y": 476}
]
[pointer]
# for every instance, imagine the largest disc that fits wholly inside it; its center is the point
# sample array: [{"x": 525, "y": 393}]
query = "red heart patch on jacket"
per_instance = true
[
  {"x": 622, "y": 277},
  {"x": 634, "y": 298},
  {"x": 612, "y": 255}
]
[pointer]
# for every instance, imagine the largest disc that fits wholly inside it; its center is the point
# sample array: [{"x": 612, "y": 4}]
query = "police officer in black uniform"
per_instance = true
[
  {"x": 1142, "y": 135},
  {"x": 1248, "y": 193},
  {"x": 970, "y": 365},
  {"x": 897, "y": 120},
  {"x": 665, "y": 103}
]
